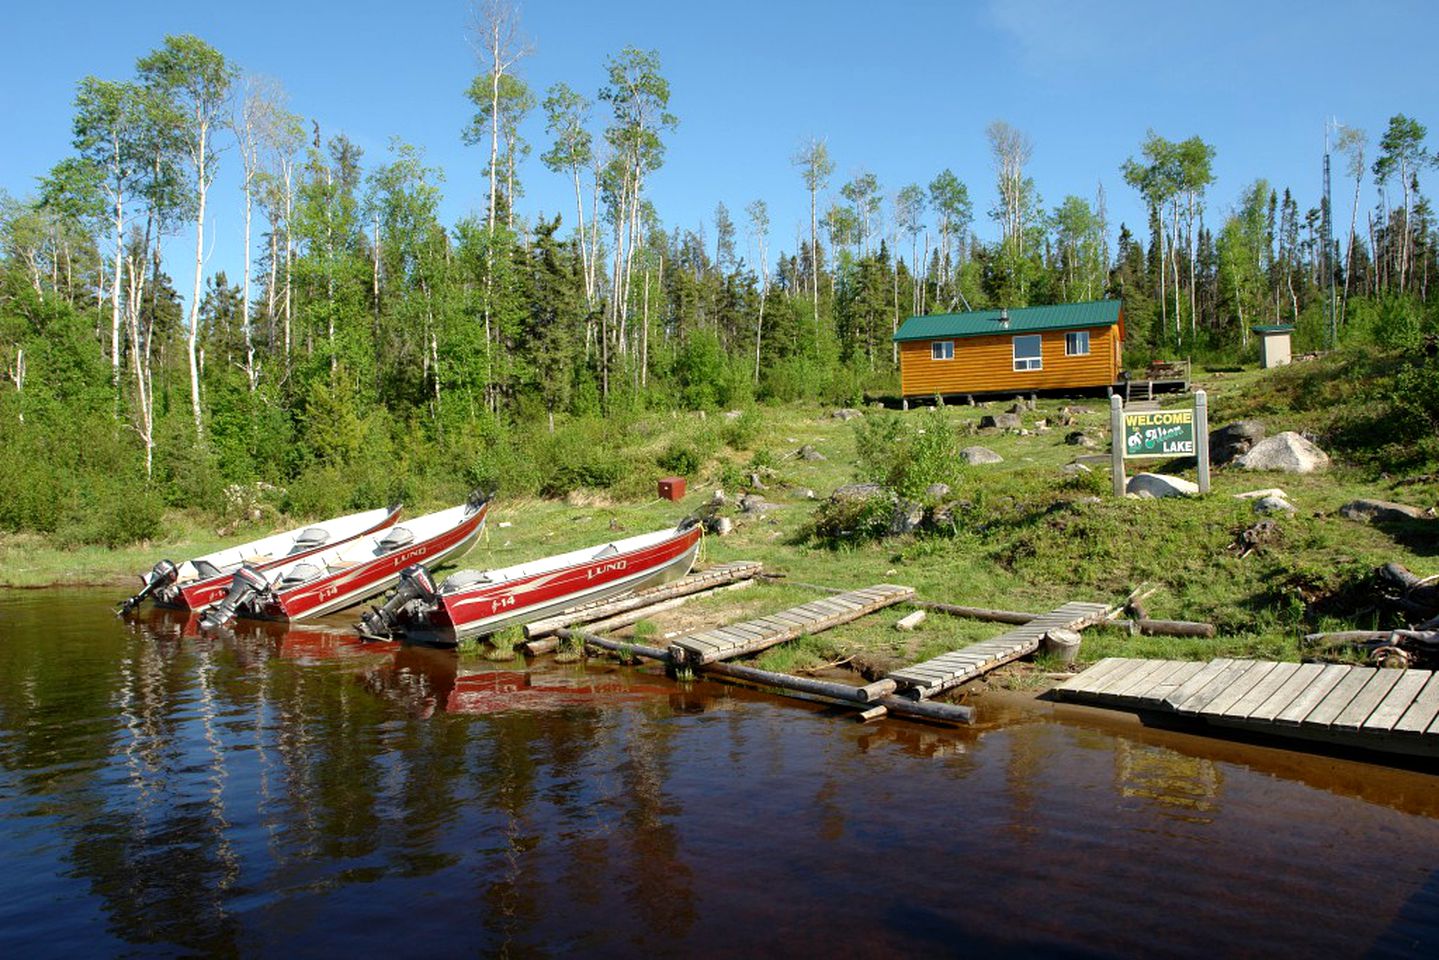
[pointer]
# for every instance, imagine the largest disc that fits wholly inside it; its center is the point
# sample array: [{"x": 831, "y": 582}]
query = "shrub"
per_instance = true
[{"x": 907, "y": 454}]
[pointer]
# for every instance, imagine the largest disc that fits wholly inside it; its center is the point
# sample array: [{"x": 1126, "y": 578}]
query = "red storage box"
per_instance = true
[{"x": 672, "y": 488}]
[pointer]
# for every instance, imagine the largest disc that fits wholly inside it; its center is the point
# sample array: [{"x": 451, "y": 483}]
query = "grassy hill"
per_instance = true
[{"x": 1025, "y": 534}]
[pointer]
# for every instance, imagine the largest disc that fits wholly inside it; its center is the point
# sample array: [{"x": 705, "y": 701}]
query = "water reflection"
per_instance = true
[{"x": 267, "y": 789}]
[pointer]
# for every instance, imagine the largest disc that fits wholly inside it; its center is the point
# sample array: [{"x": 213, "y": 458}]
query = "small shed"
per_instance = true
[
  {"x": 1019, "y": 350},
  {"x": 1273, "y": 345}
]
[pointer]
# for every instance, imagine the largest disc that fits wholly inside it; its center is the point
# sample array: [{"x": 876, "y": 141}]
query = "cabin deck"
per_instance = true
[
  {"x": 960, "y": 666},
  {"x": 1376, "y": 709}
]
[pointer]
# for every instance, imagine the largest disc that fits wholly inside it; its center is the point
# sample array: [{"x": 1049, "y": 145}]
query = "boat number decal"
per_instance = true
[{"x": 502, "y": 603}]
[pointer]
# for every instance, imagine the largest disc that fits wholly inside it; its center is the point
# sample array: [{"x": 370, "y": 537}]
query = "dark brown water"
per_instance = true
[{"x": 299, "y": 793}]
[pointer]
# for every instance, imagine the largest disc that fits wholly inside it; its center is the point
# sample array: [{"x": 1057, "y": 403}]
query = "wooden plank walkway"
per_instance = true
[
  {"x": 752, "y": 636},
  {"x": 701, "y": 580},
  {"x": 959, "y": 666},
  {"x": 1390, "y": 710}
]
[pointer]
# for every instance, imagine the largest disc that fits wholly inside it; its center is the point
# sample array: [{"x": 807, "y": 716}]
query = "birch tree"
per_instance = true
[
  {"x": 567, "y": 115},
  {"x": 255, "y": 114},
  {"x": 758, "y": 212},
  {"x": 196, "y": 78},
  {"x": 1352, "y": 141},
  {"x": 815, "y": 168},
  {"x": 496, "y": 36}
]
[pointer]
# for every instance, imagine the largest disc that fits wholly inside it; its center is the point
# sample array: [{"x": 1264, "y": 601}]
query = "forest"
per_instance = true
[{"x": 370, "y": 352}]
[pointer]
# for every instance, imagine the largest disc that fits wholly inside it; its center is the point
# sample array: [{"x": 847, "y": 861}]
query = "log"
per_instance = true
[
  {"x": 683, "y": 587},
  {"x": 1175, "y": 628},
  {"x": 880, "y": 688},
  {"x": 639, "y": 613},
  {"x": 928, "y": 709},
  {"x": 824, "y": 688},
  {"x": 618, "y": 646},
  {"x": 537, "y": 647},
  {"x": 976, "y": 613},
  {"x": 910, "y": 621},
  {"x": 873, "y": 713},
  {"x": 1372, "y": 636}
]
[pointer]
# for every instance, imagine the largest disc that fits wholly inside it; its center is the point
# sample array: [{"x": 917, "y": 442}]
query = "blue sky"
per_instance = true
[{"x": 899, "y": 89}]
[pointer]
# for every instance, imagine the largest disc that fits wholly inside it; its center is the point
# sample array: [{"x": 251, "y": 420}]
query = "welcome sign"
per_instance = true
[{"x": 1159, "y": 433}]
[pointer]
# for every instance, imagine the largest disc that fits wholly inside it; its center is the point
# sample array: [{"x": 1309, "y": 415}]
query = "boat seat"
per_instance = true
[
  {"x": 205, "y": 569},
  {"x": 310, "y": 538},
  {"x": 608, "y": 550},
  {"x": 397, "y": 537},
  {"x": 464, "y": 579},
  {"x": 259, "y": 558},
  {"x": 301, "y": 573}
]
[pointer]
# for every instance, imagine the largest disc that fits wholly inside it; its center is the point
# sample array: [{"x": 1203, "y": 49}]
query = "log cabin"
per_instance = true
[{"x": 1066, "y": 346}]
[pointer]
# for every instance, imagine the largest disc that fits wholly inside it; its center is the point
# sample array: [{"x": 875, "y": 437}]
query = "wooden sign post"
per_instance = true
[{"x": 1159, "y": 433}]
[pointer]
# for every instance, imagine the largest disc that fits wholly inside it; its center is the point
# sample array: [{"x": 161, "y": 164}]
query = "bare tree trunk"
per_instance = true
[
  {"x": 202, "y": 188},
  {"x": 814, "y": 254},
  {"x": 251, "y": 376},
  {"x": 289, "y": 254},
  {"x": 584, "y": 251},
  {"x": 115, "y": 288}
]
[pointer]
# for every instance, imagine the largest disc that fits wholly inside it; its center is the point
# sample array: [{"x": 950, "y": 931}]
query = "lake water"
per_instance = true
[{"x": 297, "y": 793}]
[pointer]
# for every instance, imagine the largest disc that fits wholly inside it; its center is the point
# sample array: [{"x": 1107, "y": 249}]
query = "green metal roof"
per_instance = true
[
  {"x": 980, "y": 323},
  {"x": 1273, "y": 328}
]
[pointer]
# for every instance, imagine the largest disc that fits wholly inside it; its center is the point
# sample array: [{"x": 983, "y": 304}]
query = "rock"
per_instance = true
[
  {"x": 911, "y": 621},
  {"x": 755, "y": 483},
  {"x": 1261, "y": 494},
  {"x": 1230, "y": 442},
  {"x": 1287, "y": 453},
  {"x": 720, "y": 526},
  {"x": 1032, "y": 402},
  {"x": 1073, "y": 411},
  {"x": 936, "y": 490},
  {"x": 1008, "y": 421},
  {"x": 733, "y": 414},
  {"x": 908, "y": 515},
  {"x": 804, "y": 493},
  {"x": 808, "y": 452},
  {"x": 1041, "y": 425},
  {"x": 858, "y": 491},
  {"x": 1017, "y": 408},
  {"x": 987, "y": 422},
  {"x": 753, "y": 504},
  {"x": 1078, "y": 438},
  {"x": 1159, "y": 486},
  {"x": 846, "y": 413},
  {"x": 1268, "y": 505},
  {"x": 1365, "y": 510},
  {"x": 1073, "y": 469},
  {"x": 977, "y": 455}
]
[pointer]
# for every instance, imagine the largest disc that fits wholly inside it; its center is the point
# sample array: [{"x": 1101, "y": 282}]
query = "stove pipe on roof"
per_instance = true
[{"x": 1004, "y": 317}]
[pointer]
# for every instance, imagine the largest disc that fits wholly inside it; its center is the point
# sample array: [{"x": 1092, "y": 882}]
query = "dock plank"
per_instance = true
[
  {"x": 1197, "y": 682},
  {"x": 1157, "y": 689},
  {"x": 1200, "y": 697},
  {"x": 1245, "y": 682},
  {"x": 1257, "y": 694},
  {"x": 1422, "y": 711},
  {"x": 1298, "y": 681},
  {"x": 1397, "y": 700},
  {"x": 1333, "y": 704},
  {"x": 1310, "y": 697},
  {"x": 1370, "y": 696},
  {"x": 1086, "y": 680}
]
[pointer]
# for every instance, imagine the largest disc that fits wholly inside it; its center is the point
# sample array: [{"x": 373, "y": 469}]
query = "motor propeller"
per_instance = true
[
  {"x": 162, "y": 574},
  {"x": 246, "y": 583},
  {"x": 416, "y": 583}
]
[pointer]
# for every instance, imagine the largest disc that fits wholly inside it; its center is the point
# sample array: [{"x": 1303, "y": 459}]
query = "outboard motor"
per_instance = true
[
  {"x": 163, "y": 574},
  {"x": 416, "y": 583},
  {"x": 247, "y": 582}
]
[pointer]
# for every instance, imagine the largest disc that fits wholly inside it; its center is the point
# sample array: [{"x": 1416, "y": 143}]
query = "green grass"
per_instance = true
[{"x": 1027, "y": 537}]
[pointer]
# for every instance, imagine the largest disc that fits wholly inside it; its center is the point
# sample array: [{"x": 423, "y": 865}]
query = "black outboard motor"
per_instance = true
[
  {"x": 247, "y": 583},
  {"x": 416, "y": 583},
  {"x": 163, "y": 574}
]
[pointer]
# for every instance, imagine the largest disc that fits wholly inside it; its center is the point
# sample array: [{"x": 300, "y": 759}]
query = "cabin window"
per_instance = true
[
  {"x": 1076, "y": 344},
  {"x": 1027, "y": 353},
  {"x": 941, "y": 350}
]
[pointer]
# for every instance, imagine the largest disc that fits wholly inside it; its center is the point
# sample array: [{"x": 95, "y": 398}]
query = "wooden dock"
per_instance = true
[
  {"x": 700, "y": 581},
  {"x": 960, "y": 666},
  {"x": 1377, "y": 709},
  {"x": 752, "y": 636}
]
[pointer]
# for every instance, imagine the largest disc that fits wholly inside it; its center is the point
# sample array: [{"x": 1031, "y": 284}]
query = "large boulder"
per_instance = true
[
  {"x": 1008, "y": 421},
  {"x": 937, "y": 491},
  {"x": 907, "y": 517},
  {"x": 1380, "y": 511},
  {"x": 808, "y": 452},
  {"x": 858, "y": 491},
  {"x": 987, "y": 422},
  {"x": 977, "y": 455},
  {"x": 1287, "y": 453},
  {"x": 846, "y": 413},
  {"x": 1230, "y": 442},
  {"x": 1078, "y": 438},
  {"x": 1158, "y": 486},
  {"x": 1273, "y": 504}
]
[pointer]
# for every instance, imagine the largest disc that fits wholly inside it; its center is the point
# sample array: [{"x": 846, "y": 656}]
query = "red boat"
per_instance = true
[
  {"x": 198, "y": 583},
  {"x": 352, "y": 572},
  {"x": 479, "y": 602}
]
